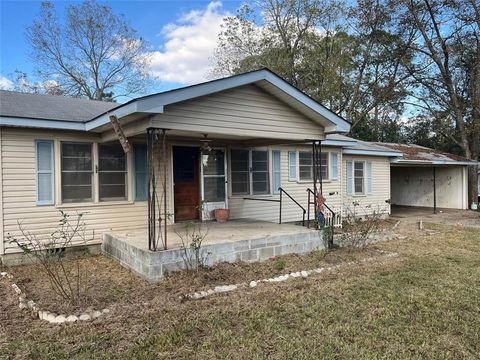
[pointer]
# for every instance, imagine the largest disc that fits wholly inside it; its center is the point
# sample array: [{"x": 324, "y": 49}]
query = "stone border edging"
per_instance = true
[
  {"x": 298, "y": 274},
  {"x": 24, "y": 303}
]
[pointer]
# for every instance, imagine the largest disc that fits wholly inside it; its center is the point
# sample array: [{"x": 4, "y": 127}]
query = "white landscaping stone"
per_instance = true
[
  {"x": 22, "y": 305},
  {"x": 17, "y": 289},
  {"x": 60, "y": 319},
  {"x": 3, "y": 273},
  {"x": 71, "y": 319},
  {"x": 51, "y": 317},
  {"x": 224, "y": 288},
  {"x": 96, "y": 314},
  {"x": 253, "y": 284},
  {"x": 85, "y": 317}
]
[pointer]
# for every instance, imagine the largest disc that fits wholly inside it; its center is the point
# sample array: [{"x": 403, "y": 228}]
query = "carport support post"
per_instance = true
[{"x": 434, "y": 191}]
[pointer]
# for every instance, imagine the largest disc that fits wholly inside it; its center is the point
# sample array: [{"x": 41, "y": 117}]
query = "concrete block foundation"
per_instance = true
[{"x": 224, "y": 243}]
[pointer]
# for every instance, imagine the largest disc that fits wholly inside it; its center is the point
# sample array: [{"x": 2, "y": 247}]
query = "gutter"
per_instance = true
[
  {"x": 41, "y": 123},
  {"x": 435, "y": 162}
]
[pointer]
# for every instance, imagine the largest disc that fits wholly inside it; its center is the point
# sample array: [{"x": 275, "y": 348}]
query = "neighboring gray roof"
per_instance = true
[
  {"x": 416, "y": 154},
  {"x": 50, "y": 107},
  {"x": 358, "y": 147}
]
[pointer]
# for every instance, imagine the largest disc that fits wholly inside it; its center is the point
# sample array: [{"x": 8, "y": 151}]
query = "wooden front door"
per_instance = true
[{"x": 186, "y": 180}]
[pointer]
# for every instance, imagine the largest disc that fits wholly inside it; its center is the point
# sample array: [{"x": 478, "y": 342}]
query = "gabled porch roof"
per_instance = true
[{"x": 264, "y": 78}]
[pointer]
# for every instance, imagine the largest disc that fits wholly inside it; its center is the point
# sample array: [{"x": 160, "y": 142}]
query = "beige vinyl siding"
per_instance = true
[
  {"x": 19, "y": 192},
  {"x": 245, "y": 111},
  {"x": 269, "y": 211},
  {"x": 380, "y": 186},
  {"x": 2, "y": 245}
]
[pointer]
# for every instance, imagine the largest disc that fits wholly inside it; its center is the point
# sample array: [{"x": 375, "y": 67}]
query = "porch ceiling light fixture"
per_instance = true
[{"x": 205, "y": 144}]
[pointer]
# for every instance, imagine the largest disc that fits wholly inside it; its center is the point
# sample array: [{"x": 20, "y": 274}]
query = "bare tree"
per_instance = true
[
  {"x": 92, "y": 53},
  {"x": 445, "y": 73}
]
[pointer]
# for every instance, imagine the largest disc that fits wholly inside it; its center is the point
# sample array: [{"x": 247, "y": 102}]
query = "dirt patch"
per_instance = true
[
  {"x": 108, "y": 283},
  {"x": 423, "y": 304}
]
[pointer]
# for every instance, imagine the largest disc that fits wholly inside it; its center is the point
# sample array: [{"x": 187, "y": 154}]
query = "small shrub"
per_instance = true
[
  {"x": 319, "y": 254},
  {"x": 48, "y": 254},
  {"x": 191, "y": 237},
  {"x": 279, "y": 264},
  {"x": 359, "y": 224}
]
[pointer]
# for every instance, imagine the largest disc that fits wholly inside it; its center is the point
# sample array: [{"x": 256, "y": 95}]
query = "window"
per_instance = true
[
  {"x": 112, "y": 172},
  {"x": 276, "y": 171},
  {"x": 292, "y": 166},
  {"x": 305, "y": 166},
  {"x": 77, "y": 172},
  {"x": 249, "y": 172},
  {"x": 141, "y": 172},
  {"x": 45, "y": 172},
  {"x": 260, "y": 180},
  {"x": 359, "y": 177},
  {"x": 240, "y": 172},
  {"x": 213, "y": 167}
]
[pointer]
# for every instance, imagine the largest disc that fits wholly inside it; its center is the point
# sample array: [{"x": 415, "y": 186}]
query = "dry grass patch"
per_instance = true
[{"x": 424, "y": 305}]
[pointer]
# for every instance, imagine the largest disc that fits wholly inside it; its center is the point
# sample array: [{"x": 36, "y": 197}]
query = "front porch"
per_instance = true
[{"x": 242, "y": 240}]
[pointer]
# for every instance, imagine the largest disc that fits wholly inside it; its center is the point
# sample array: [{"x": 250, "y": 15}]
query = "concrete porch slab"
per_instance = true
[{"x": 244, "y": 240}]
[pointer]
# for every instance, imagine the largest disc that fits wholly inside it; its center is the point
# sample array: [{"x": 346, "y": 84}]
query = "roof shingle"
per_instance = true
[{"x": 50, "y": 107}]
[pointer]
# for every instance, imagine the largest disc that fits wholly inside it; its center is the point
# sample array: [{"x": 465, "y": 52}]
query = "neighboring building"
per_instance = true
[
  {"x": 428, "y": 178},
  {"x": 230, "y": 143}
]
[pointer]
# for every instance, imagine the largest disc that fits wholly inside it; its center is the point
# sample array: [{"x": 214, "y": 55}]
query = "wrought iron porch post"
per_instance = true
[
  {"x": 155, "y": 217},
  {"x": 152, "y": 192}
]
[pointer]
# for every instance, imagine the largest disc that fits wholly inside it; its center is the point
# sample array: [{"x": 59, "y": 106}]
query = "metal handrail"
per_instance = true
[{"x": 295, "y": 201}]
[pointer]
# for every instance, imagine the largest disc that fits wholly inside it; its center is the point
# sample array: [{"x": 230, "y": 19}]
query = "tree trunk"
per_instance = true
[{"x": 472, "y": 184}]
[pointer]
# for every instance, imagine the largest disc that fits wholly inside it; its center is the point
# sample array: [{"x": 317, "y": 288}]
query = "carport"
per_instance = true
[{"x": 425, "y": 177}]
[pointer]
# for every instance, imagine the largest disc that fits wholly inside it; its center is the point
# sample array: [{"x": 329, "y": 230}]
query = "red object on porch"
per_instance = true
[{"x": 222, "y": 215}]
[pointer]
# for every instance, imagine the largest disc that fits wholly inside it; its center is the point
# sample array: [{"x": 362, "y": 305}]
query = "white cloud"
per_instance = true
[
  {"x": 189, "y": 45},
  {"x": 5, "y": 84}
]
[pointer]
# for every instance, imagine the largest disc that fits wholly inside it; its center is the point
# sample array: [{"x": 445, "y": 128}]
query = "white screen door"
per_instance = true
[{"x": 213, "y": 182}]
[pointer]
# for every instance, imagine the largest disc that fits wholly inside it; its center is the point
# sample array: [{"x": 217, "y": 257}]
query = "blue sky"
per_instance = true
[{"x": 181, "y": 34}]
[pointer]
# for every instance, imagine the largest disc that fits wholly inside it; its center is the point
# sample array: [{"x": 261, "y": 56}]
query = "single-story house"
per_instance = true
[{"x": 242, "y": 143}]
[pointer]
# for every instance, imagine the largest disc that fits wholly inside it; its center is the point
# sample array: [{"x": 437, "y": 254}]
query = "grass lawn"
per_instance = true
[{"x": 423, "y": 304}]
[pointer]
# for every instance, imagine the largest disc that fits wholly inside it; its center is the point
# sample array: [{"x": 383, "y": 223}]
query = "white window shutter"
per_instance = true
[
  {"x": 334, "y": 160},
  {"x": 369, "y": 177},
  {"x": 292, "y": 166},
  {"x": 276, "y": 171},
  {"x": 44, "y": 168},
  {"x": 349, "y": 177}
]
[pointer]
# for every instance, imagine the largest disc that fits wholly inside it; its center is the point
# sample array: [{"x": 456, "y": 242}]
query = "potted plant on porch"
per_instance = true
[{"x": 222, "y": 215}]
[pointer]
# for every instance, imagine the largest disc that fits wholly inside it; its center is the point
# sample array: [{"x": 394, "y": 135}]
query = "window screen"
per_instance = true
[
  {"x": 77, "y": 172},
  {"x": 358, "y": 177},
  {"x": 260, "y": 172},
  {"x": 305, "y": 166},
  {"x": 112, "y": 172},
  {"x": 240, "y": 172}
]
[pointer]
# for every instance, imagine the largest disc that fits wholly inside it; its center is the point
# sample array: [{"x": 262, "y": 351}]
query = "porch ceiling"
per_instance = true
[{"x": 192, "y": 137}]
